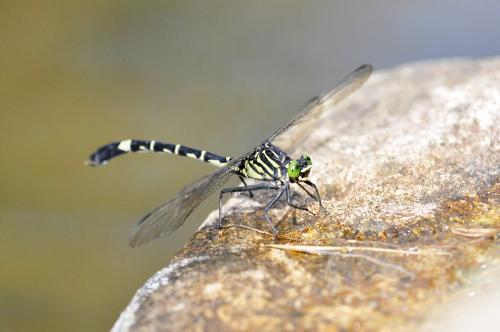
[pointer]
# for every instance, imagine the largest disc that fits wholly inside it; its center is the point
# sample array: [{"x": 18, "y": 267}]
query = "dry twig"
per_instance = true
[{"x": 326, "y": 250}]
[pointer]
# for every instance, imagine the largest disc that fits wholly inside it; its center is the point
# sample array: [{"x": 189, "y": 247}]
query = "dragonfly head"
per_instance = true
[{"x": 298, "y": 170}]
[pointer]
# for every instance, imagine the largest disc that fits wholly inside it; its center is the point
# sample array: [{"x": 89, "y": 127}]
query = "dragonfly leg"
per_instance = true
[
  {"x": 307, "y": 191},
  {"x": 275, "y": 199},
  {"x": 289, "y": 200},
  {"x": 243, "y": 189},
  {"x": 317, "y": 192},
  {"x": 245, "y": 184}
]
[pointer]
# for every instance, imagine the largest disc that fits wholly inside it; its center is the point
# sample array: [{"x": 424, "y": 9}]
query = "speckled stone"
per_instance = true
[{"x": 408, "y": 168}]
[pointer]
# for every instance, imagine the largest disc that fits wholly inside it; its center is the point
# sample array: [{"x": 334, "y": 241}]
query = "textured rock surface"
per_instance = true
[{"x": 408, "y": 168}]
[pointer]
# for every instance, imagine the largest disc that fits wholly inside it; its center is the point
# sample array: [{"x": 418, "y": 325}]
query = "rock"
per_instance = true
[{"x": 408, "y": 168}]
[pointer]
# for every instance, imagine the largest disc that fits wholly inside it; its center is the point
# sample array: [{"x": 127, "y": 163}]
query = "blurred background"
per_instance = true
[{"x": 218, "y": 75}]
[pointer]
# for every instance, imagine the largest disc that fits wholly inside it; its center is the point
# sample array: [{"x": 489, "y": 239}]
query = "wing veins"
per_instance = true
[
  {"x": 168, "y": 217},
  {"x": 318, "y": 105}
]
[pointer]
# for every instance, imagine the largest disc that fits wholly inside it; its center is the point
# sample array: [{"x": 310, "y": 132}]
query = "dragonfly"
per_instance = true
[{"x": 268, "y": 165}]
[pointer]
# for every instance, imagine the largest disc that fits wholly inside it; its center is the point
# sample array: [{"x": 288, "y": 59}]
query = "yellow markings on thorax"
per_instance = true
[
  {"x": 250, "y": 172},
  {"x": 259, "y": 169},
  {"x": 177, "y": 147},
  {"x": 275, "y": 154},
  {"x": 261, "y": 162},
  {"x": 279, "y": 172},
  {"x": 271, "y": 161}
]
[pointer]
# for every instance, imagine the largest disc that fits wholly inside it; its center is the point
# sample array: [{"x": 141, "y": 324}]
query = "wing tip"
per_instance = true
[
  {"x": 368, "y": 66},
  {"x": 364, "y": 70},
  {"x": 136, "y": 239}
]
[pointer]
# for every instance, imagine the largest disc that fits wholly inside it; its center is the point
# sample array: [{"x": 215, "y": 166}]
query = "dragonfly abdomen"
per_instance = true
[{"x": 109, "y": 151}]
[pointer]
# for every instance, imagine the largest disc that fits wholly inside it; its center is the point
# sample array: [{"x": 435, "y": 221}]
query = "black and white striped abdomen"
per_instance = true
[{"x": 109, "y": 151}]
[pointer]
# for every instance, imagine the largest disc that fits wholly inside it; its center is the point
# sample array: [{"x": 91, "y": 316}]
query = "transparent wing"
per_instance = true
[
  {"x": 168, "y": 217},
  {"x": 289, "y": 135}
]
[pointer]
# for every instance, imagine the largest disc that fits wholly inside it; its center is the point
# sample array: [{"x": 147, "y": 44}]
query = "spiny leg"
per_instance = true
[
  {"x": 307, "y": 191},
  {"x": 289, "y": 201},
  {"x": 245, "y": 184},
  {"x": 275, "y": 199},
  {"x": 317, "y": 193},
  {"x": 260, "y": 186}
]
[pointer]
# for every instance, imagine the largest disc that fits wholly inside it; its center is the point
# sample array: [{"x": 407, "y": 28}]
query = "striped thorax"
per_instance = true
[
  {"x": 270, "y": 163},
  {"x": 267, "y": 162}
]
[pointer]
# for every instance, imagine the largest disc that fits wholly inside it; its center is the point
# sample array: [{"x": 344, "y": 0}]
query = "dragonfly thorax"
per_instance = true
[{"x": 266, "y": 163}]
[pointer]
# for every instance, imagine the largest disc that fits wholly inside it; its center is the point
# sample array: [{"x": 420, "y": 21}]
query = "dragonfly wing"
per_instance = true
[
  {"x": 168, "y": 217},
  {"x": 290, "y": 134}
]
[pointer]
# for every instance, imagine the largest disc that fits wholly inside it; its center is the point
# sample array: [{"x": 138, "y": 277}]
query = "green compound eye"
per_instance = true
[
  {"x": 293, "y": 169},
  {"x": 307, "y": 159}
]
